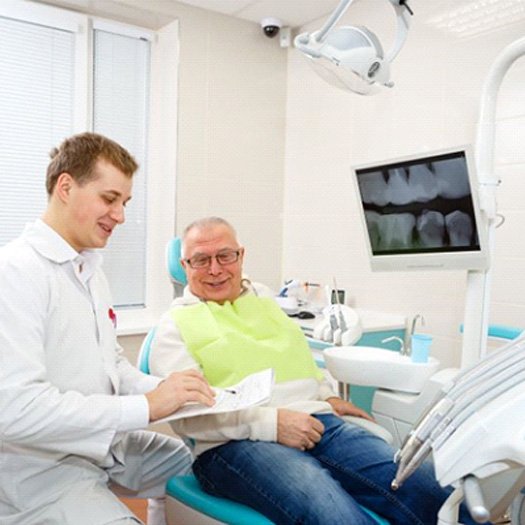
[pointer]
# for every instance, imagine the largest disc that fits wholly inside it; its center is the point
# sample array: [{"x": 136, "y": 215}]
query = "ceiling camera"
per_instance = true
[{"x": 271, "y": 26}]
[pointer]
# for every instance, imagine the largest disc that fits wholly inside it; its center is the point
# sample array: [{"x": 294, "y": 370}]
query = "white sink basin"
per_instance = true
[{"x": 369, "y": 366}]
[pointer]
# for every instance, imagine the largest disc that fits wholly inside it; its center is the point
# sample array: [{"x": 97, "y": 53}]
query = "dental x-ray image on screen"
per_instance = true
[{"x": 421, "y": 212}]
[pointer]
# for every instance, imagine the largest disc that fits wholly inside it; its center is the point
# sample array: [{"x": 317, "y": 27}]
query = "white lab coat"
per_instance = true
[{"x": 60, "y": 371}]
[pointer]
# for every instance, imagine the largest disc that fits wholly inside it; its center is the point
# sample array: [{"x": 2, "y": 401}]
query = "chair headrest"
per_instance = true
[{"x": 173, "y": 255}]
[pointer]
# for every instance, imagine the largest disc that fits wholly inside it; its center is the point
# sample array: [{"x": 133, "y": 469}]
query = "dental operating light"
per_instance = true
[{"x": 351, "y": 57}]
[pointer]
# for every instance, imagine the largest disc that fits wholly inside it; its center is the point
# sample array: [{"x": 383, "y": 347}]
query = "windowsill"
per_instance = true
[
  {"x": 136, "y": 322},
  {"x": 133, "y": 330}
]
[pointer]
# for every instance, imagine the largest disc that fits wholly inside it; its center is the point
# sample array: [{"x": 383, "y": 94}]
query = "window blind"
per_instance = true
[
  {"x": 120, "y": 104},
  {"x": 36, "y": 108}
]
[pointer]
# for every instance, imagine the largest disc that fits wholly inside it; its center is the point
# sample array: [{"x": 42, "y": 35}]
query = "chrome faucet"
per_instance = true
[
  {"x": 409, "y": 333},
  {"x": 399, "y": 340}
]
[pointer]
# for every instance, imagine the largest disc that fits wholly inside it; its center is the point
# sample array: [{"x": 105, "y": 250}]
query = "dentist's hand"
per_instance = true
[
  {"x": 345, "y": 408},
  {"x": 298, "y": 430},
  {"x": 176, "y": 390}
]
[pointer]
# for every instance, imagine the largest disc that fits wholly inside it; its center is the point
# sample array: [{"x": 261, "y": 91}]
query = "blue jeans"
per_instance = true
[{"x": 349, "y": 466}]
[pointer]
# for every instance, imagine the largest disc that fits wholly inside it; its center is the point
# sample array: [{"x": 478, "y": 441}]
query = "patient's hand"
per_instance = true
[
  {"x": 345, "y": 408},
  {"x": 176, "y": 390},
  {"x": 298, "y": 430}
]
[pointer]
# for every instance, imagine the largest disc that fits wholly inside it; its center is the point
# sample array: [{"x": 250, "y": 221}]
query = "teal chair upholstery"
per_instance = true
[
  {"x": 186, "y": 490},
  {"x": 173, "y": 255},
  {"x": 501, "y": 331},
  {"x": 176, "y": 272}
]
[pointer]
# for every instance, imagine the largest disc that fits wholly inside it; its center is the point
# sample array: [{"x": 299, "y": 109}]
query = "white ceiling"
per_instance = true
[
  {"x": 461, "y": 18},
  {"x": 293, "y": 13}
]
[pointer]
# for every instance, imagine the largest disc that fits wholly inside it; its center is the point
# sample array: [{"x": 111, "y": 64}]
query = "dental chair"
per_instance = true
[{"x": 186, "y": 502}]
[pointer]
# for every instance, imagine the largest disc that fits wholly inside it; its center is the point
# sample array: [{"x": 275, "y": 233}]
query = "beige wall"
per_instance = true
[
  {"x": 232, "y": 102},
  {"x": 231, "y": 130},
  {"x": 434, "y": 104}
]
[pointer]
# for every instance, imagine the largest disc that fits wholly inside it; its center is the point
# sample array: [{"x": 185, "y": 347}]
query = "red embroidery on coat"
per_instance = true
[{"x": 113, "y": 317}]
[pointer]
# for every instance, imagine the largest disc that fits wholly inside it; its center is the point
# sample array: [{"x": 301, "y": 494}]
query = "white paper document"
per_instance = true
[{"x": 253, "y": 390}]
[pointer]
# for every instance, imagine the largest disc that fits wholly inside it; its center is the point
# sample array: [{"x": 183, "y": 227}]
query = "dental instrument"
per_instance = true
[
  {"x": 459, "y": 400},
  {"x": 333, "y": 331},
  {"x": 352, "y": 58},
  {"x": 341, "y": 317},
  {"x": 477, "y": 402}
]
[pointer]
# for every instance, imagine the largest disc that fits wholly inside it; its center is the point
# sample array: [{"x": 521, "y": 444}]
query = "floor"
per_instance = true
[{"x": 138, "y": 506}]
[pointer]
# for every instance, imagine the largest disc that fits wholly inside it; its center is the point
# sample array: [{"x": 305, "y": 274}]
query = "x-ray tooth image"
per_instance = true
[
  {"x": 452, "y": 178},
  {"x": 460, "y": 228},
  {"x": 373, "y": 226},
  {"x": 374, "y": 189},
  {"x": 399, "y": 190},
  {"x": 422, "y": 183},
  {"x": 396, "y": 231},
  {"x": 431, "y": 229},
  {"x": 415, "y": 183}
]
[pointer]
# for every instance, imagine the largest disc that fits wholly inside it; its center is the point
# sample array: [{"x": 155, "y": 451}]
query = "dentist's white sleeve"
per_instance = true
[{"x": 34, "y": 412}]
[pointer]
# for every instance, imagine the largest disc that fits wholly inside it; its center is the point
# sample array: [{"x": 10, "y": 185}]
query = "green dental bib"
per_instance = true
[{"x": 233, "y": 340}]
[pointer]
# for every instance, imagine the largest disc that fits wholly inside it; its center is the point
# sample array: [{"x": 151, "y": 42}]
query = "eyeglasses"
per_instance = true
[{"x": 198, "y": 262}]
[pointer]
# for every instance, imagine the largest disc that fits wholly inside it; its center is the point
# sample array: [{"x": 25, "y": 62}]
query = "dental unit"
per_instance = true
[{"x": 485, "y": 403}]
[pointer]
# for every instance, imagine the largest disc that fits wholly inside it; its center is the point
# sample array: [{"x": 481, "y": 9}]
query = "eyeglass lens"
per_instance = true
[{"x": 203, "y": 261}]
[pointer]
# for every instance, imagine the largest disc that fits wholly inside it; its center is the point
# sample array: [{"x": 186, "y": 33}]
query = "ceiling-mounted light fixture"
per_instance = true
[{"x": 352, "y": 58}]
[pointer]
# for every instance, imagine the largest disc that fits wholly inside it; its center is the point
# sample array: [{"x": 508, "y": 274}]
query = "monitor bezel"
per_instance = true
[{"x": 454, "y": 260}]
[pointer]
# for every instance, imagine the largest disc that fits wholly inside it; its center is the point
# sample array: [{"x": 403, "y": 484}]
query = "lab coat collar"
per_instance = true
[{"x": 48, "y": 243}]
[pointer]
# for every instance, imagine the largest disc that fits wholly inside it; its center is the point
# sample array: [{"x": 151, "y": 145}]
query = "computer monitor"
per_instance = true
[{"x": 421, "y": 212}]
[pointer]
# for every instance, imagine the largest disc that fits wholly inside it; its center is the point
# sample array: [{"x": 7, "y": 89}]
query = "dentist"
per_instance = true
[{"x": 71, "y": 407}]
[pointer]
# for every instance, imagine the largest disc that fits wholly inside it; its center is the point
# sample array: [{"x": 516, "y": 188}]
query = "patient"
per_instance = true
[{"x": 295, "y": 460}]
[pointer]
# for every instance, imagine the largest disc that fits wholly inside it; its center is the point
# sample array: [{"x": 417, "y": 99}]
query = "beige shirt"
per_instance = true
[{"x": 169, "y": 354}]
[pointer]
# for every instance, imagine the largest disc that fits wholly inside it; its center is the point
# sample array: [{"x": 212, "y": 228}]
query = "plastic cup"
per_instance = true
[{"x": 420, "y": 347}]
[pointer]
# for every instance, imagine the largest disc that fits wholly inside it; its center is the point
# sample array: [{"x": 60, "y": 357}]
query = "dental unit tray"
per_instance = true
[{"x": 484, "y": 404}]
